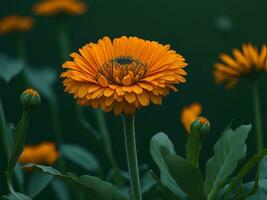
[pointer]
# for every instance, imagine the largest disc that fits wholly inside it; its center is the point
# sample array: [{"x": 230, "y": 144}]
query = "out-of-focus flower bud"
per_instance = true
[
  {"x": 30, "y": 99},
  {"x": 200, "y": 126}
]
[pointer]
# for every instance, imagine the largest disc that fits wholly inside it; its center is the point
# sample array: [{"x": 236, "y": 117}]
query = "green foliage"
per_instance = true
[
  {"x": 48, "y": 77},
  {"x": 9, "y": 68},
  {"x": 12, "y": 197},
  {"x": 228, "y": 151},
  {"x": 94, "y": 187},
  {"x": 37, "y": 183},
  {"x": 187, "y": 176},
  {"x": 80, "y": 156},
  {"x": 157, "y": 142},
  {"x": 244, "y": 171},
  {"x": 60, "y": 190},
  {"x": 19, "y": 135}
]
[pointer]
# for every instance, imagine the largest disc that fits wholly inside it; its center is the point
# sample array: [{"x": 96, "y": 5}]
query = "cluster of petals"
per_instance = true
[
  {"x": 123, "y": 74},
  {"x": 248, "y": 62}
]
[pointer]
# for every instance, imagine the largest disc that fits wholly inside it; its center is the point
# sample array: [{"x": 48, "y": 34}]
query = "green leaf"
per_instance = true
[
  {"x": 159, "y": 191},
  {"x": 60, "y": 190},
  {"x": 187, "y": 176},
  {"x": 20, "y": 195},
  {"x": 80, "y": 156},
  {"x": 228, "y": 151},
  {"x": 37, "y": 183},
  {"x": 157, "y": 142},
  {"x": 47, "y": 76},
  {"x": 263, "y": 168},
  {"x": 94, "y": 187},
  {"x": 244, "y": 171},
  {"x": 147, "y": 182},
  {"x": 19, "y": 135},
  {"x": 9, "y": 68}
]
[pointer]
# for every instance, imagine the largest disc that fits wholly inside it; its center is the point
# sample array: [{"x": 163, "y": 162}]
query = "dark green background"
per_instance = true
[{"x": 191, "y": 29}]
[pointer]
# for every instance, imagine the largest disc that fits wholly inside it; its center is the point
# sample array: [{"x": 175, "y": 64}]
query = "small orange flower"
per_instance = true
[
  {"x": 190, "y": 114},
  {"x": 124, "y": 74},
  {"x": 15, "y": 23},
  {"x": 55, "y": 7},
  {"x": 43, "y": 153},
  {"x": 246, "y": 63}
]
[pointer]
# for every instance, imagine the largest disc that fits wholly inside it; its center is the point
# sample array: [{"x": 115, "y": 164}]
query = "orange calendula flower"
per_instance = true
[
  {"x": 249, "y": 62},
  {"x": 43, "y": 153},
  {"x": 190, "y": 114},
  {"x": 55, "y": 7},
  {"x": 124, "y": 74},
  {"x": 15, "y": 23}
]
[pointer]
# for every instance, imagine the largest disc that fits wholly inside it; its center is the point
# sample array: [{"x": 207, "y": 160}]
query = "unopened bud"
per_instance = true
[
  {"x": 30, "y": 99},
  {"x": 200, "y": 126}
]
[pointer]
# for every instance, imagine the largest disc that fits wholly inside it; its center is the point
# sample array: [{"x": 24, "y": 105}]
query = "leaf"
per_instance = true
[
  {"x": 263, "y": 168},
  {"x": 80, "y": 156},
  {"x": 20, "y": 195},
  {"x": 187, "y": 176},
  {"x": 37, "y": 183},
  {"x": 147, "y": 182},
  {"x": 60, "y": 190},
  {"x": 160, "y": 191},
  {"x": 244, "y": 171},
  {"x": 9, "y": 68},
  {"x": 157, "y": 142},
  {"x": 19, "y": 173},
  {"x": 91, "y": 186},
  {"x": 19, "y": 135},
  {"x": 47, "y": 76},
  {"x": 228, "y": 151}
]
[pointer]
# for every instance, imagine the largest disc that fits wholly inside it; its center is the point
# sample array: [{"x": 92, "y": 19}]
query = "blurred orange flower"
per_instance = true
[
  {"x": 15, "y": 23},
  {"x": 43, "y": 153},
  {"x": 190, "y": 114},
  {"x": 124, "y": 74},
  {"x": 55, "y": 7},
  {"x": 246, "y": 63}
]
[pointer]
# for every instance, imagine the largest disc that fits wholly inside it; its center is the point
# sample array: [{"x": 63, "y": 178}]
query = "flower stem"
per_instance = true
[
  {"x": 130, "y": 144},
  {"x": 105, "y": 136},
  {"x": 21, "y": 47},
  {"x": 3, "y": 132},
  {"x": 257, "y": 115},
  {"x": 63, "y": 38}
]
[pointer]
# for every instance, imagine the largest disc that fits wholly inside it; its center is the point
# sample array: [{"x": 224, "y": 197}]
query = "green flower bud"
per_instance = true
[
  {"x": 30, "y": 99},
  {"x": 200, "y": 126}
]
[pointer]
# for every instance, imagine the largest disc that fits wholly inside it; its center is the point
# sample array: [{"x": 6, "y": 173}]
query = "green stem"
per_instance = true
[
  {"x": 129, "y": 132},
  {"x": 193, "y": 147},
  {"x": 257, "y": 115},
  {"x": 63, "y": 38},
  {"x": 3, "y": 132},
  {"x": 10, "y": 187},
  {"x": 21, "y": 47},
  {"x": 105, "y": 136},
  {"x": 56, "y": 124}
]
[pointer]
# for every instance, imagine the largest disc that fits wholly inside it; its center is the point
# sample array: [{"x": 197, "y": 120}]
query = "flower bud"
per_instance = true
[
  {"x": 30, "y": 99},
  {"x": 200, "y": 126}
]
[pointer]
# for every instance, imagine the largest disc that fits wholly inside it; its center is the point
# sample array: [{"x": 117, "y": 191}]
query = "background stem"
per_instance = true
[
  {"x": 105, "y": 136},
  {"x": 100, "y": 118},
  {"x": 130, "y": 144},
  {"x": 3, "y": 132},
  {"x": 257, "y": 115}
]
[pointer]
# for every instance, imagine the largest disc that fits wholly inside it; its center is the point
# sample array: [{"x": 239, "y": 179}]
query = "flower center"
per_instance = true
[{"x": 123, "y": 71}]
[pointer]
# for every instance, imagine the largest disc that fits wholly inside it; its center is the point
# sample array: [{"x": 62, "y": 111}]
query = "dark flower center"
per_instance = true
[
  {"x": 123, "y": 71},
  {"x": 123, "y": 61}
]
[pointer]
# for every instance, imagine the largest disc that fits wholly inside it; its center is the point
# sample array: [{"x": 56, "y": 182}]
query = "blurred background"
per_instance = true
[{"x": 199, "y": 30}]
